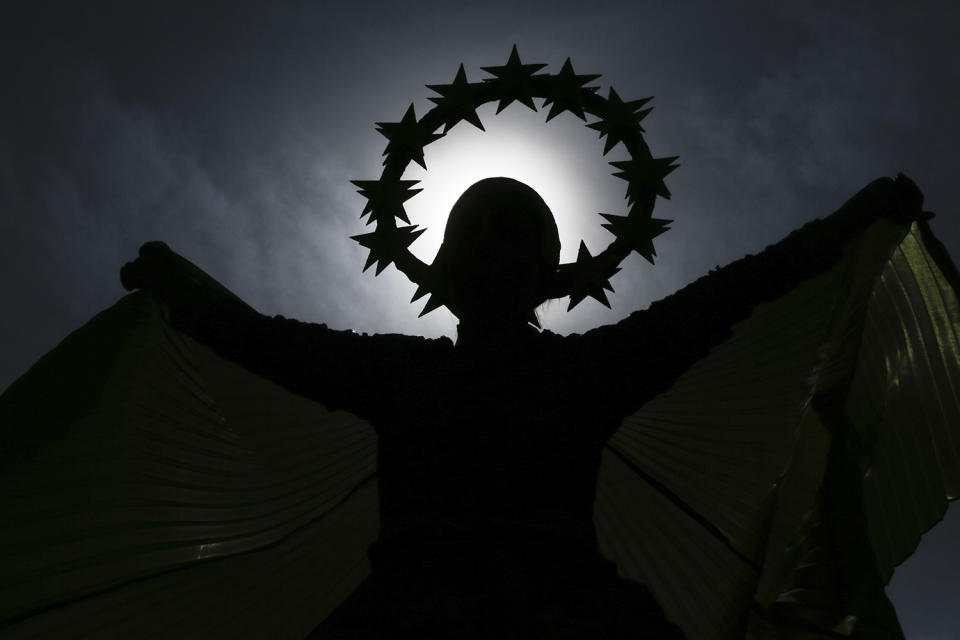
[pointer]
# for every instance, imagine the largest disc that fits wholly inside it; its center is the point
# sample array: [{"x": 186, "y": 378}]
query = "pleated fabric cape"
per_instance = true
[{"x": 149, "y": 488}]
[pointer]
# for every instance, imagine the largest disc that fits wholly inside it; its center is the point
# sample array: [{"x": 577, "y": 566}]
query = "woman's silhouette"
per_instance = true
[
  {"x": 720, "y": 463},
  {"x": 489, "y": 449}
]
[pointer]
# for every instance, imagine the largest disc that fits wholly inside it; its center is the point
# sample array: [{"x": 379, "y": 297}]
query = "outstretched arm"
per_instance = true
[
  {"x": 643, "y": 355},
  {"x": 333, "y": 367}
]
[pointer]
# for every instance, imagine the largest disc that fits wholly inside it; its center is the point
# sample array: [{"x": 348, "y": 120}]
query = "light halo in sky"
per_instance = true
[{"x": 561, "y": 160}]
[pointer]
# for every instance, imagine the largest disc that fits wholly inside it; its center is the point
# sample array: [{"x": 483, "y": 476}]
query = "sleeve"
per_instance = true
[
  {"x": 152, "y": 488},
  {"x": 333, "y": 367},
  {"x": 644, "y": 354},
  {"x": 770, "y": 491}
]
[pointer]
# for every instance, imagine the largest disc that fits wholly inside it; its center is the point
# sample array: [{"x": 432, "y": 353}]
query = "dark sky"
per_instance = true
[{"x": 231, "y": 131}]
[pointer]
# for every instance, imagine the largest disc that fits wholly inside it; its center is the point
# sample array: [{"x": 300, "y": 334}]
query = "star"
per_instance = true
[
  {"x": 636, "y": 231},
  {"x": 515, "y": 80},
  {"x": 566, "y": 92},
  {"x": 386, "y": 243},
  {"x": 644, "y": 175},
  {"x": 385, "y": 197},
  {"x": 407, "y": 138},
  {"x": 457, "y": 101},
  {"x": 422, "y": 290},
  {"x": 620, "y": 120},
  {"x": 437, "y": 291},
  {"x": 433, "y": 302},
  {"x": 588, "y": 279}
]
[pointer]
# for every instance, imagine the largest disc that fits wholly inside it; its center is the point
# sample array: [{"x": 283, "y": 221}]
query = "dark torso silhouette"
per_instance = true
[
  {"x": 496, "y": 432},
  {"x": 487, "y": 466},
  {"x": 488, "y": 456}
]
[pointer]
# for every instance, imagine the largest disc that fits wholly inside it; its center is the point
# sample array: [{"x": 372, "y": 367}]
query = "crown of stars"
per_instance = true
[
  {"x": 567, "y": 92},
  {"x": 590, "y": 277},
  {"x": 515, "y": 81},
  {"x": 407, "y": 138},
  {"x": 620, "y": 121},
  {"x": 386, "y": 244},
  {"x": 636, "y": 231},
  {"x": 457, "y": 101},
  {"x": 385, "y": 198},
  {"x": 645, "y": 175},
  {"x": 617, "y": 121}
]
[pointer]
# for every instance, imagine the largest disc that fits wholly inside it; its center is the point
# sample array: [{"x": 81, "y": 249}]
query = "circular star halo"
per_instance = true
[{"x": 618, "y": 122}]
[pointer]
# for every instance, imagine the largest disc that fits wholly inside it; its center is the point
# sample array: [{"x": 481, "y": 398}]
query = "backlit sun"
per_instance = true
[{"x": 561, "y": 160}]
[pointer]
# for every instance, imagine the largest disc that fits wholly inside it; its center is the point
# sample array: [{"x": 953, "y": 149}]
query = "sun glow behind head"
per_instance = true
[
  {"x": 587, "y": 276},
  {"x": 557, "y": 159}
]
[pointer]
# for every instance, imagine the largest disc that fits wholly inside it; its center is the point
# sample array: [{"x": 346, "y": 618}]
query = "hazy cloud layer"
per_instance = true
[{"x": 231, "y": 131}]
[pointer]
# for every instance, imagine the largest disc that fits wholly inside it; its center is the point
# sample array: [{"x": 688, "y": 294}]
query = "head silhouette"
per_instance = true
[{"x": 499, "y": 254}]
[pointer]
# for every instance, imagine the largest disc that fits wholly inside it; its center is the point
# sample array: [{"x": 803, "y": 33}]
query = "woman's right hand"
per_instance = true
[{"x": 183, "y": 286}]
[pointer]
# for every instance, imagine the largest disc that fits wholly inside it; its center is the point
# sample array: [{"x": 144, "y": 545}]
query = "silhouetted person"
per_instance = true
[{"x": 489, "y": 448}]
